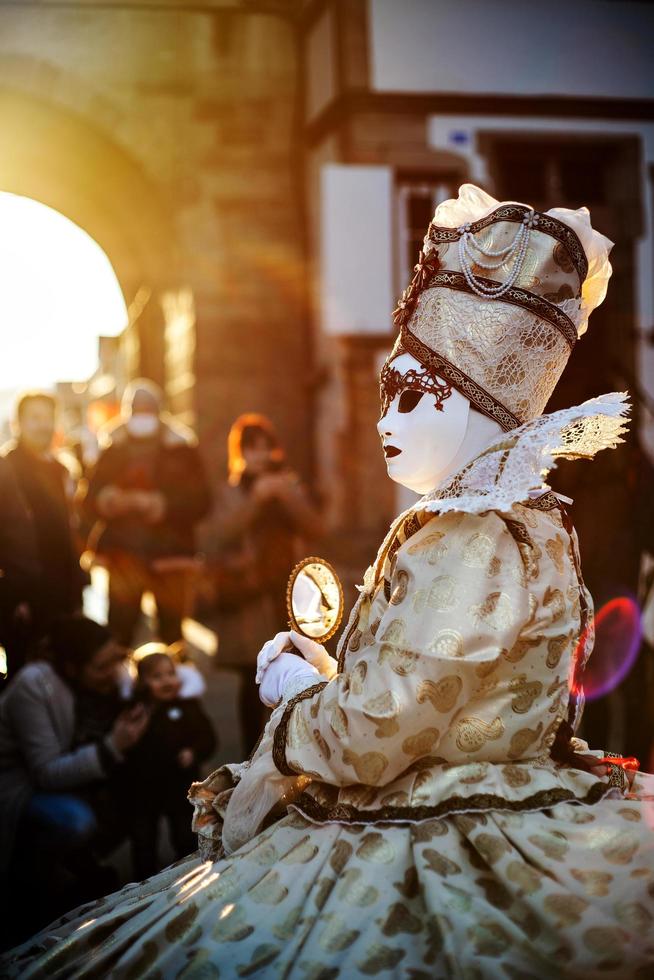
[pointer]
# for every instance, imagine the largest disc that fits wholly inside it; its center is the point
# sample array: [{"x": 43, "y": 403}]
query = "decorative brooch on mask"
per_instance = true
[
  {"x": 391, "y": 383},
  {"x": 427, "y": 265}
]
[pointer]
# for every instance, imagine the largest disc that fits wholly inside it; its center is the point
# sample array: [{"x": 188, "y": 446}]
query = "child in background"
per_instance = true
[{"x": 162, "y": 766}]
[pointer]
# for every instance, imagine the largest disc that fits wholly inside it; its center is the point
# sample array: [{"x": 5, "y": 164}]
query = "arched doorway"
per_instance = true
[
  {"x": 60, "y": 294},
  {"x": 61, "y": 160}
]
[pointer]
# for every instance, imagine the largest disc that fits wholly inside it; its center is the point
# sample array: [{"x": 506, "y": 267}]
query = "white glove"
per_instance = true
[
  {"x": 285, "y": 676},
  {"x": 313, "y": 653},
  {"x": 269, "y": 651}
]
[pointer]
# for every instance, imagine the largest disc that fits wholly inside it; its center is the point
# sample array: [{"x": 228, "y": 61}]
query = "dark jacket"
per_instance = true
[
  {"x": 43, "y": 487},
  {"x": 19, "y": 562},
  {"x": 37, "y": 727},
  {"x": 169, "y": 464},
  {"x": 152, "y": 767}
]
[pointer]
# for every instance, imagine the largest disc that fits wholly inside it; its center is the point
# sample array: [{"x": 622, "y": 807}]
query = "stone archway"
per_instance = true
[
  {"x": 172, "y": 137},
  {"x": 60, "y": 159}
]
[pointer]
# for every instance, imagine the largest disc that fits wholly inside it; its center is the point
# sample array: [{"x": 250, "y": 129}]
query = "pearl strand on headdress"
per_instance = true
[
  {"x": 490, "y": 252},
  {"x": 494, "y": 291},
  {"x": 494, "y": 265},
  {"x": 518, "y": 246}
]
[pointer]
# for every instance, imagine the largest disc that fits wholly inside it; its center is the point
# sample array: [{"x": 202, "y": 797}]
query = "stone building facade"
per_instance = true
[{"x": 169, "y": 133}]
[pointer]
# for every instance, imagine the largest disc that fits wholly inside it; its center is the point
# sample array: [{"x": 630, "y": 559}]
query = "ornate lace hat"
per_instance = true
[{"x": 500, "y": 295}]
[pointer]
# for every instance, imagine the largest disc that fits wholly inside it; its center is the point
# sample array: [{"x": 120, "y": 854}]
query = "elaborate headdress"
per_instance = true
[{"x": 499, "y": 297}]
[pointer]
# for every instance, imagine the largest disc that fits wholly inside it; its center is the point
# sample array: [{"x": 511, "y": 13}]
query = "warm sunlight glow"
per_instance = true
[{"x": 59, "y": 293}]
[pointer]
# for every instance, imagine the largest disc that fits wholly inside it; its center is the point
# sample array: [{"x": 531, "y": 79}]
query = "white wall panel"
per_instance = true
[
  {"x": 583, "y": 48},
  {"x": 356, "y": 257}
]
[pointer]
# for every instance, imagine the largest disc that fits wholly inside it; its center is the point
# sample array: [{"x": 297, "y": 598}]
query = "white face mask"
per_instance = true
[
  {"x": 142, "y": 425},
  {"x": 423, "y": 425}
]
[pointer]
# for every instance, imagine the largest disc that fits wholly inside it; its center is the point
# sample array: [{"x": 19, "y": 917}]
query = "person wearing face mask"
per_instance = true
[
  {"x": 419, "y": 804},
  {"x": 146, "y": 493}
]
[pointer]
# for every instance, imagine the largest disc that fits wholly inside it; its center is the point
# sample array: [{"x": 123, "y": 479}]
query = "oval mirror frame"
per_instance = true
[{"x": 323, "y": 637}]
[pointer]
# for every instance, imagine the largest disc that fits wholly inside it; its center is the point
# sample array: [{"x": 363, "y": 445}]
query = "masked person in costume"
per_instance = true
[{"x": 420, "y": 807}]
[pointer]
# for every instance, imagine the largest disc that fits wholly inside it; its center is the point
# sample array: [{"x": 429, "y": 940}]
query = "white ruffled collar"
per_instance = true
[{"x": 514, "y": 467}]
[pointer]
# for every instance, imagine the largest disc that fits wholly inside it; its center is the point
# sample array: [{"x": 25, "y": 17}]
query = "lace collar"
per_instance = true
[
  {"x": 513, "y": 468},
  {"x": 517, "y": 463}
]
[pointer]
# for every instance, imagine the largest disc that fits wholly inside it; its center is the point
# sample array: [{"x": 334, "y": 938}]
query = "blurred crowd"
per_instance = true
[{"x": 102, "y": 727}]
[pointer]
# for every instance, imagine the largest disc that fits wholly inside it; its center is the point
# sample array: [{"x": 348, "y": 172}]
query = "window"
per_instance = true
[
  {"x": 550, "y": 172},
  {"x": 417, "y": 200}
]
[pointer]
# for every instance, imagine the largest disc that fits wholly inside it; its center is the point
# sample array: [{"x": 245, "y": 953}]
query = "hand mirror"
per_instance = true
[{"x": 314, "y": 599}]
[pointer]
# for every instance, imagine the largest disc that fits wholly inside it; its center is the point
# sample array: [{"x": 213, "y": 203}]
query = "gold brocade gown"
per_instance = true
[{"x": 433, "y": 836}]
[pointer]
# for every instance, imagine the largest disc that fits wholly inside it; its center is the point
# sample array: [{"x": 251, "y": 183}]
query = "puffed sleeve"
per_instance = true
[{"x": 458, "y": 597}]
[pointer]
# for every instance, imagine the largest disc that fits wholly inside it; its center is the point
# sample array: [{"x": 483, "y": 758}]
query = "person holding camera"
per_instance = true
[
  {"x": 264, "y": 514},
  {"x": 49, "y": 825}
]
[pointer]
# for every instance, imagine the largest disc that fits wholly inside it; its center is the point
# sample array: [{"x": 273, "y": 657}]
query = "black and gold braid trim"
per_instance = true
[
  {"x": 517, "y": 213},
  {"x": 346, "y": 642},
  {"x": 546, "y": 502},
  {"x": 617, "y": 777},
  {"x": 578, "y": 666},
  {"x": 478, "y": 802},
  {"x": 486, "y": 403},
  {"x": 519, "y": 532},
  {"x": 410, "y": 526},
  {"x": 279, "y": 738},
  {"x": 450, "y": 279}
]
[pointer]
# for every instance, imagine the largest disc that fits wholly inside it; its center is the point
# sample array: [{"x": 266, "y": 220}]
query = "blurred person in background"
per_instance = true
[
  {"x": 264, "y": 513},
  {"x": 146, "y": 493},
  {"x": 19, "y": 569},
  {"x": 49, "y": 819},
  {"x": 162, "y": 765},
  {"x": 47, "y": 489}
]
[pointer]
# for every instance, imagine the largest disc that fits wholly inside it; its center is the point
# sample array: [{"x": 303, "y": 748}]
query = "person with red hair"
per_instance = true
[{"x": 264, "y": 515}]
